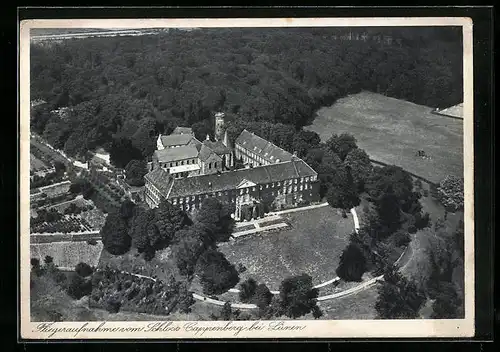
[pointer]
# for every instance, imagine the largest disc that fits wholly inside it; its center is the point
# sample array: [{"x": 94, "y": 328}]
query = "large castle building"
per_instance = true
[{"x": 185, "y": 171}]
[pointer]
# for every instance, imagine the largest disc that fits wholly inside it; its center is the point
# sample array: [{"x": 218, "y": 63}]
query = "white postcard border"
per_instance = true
[{"x": 247, "y": 329}]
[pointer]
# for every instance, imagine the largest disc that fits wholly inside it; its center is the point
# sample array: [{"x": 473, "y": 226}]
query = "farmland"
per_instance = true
[
  {"x": 312, "y": 245},
  {"x": 68, "y": 254},
  {"x": 392, "y": 131}
]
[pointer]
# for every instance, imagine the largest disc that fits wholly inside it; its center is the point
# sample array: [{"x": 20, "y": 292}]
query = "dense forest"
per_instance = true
[{"x": 123, "y": 91}]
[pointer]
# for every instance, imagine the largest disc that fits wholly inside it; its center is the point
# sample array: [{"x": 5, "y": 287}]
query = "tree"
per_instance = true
[
  {"x": 451, "y": 193},
  {"x": 352, "y": 264},
  {"x": 247, "y": 290},
  {"x": 127, "y": 209},
  {"x": 115, "y": 236},
  {"x": 398, "y": 297},
  {"x": 342, "y": 192},
  {"x": 216, "y": 274},
  {"x": 122, "y": 151},
  {"x": 83, "y": 269},
  {"x": 216, "y": 216},
  {"x": 447, "y": 303},
  {"x": 188, "y": 248},
  {"x": 389, "y": 212},
  {"x": 226, "y": 312},
  {"x": 135, "y": 171},
  {"x": 48, "y": 260},
  {"x": 360, "y": 165},
  {"x": 78, "y": 286},
  {"x": 262, "y": 297},
  {"x": 297, "y": 295},
  {"x": 168, "y": 221},
  {"x": 81, "y": 186},
  {"x": 185, "y": 299},
  {"x": 341, "y": 144}
]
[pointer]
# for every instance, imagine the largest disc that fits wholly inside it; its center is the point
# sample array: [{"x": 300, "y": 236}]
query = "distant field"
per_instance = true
[
  {"x": 36, "y": 164},
  {"x": 312, "y": 246},
  {"x": 53, "y": 31},
  {"x": 392, "y": 131}
]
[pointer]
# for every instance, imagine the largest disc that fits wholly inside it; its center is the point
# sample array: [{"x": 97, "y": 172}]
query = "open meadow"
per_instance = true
[{"x": 392, "y": 131}]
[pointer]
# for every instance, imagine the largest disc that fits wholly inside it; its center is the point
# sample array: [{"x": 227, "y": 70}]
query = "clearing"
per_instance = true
[
  {"x": 312, "y": 245},
  {"x": 392, "y": 131}
]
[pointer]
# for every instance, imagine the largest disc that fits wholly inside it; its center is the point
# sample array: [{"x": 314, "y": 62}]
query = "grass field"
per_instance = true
[
  {"x": 68, "y": 254},
  {"x": 36, "y": 164},
  {"x": 358, "y": 306},
  {"x": 391, "y": 131},
  {"x": 312, "y": 245},
  {"x": 55, "y": 31}
]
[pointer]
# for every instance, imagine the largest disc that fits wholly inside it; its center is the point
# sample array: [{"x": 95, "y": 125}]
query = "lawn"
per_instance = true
[
  {"x": 391, "y": 131},
  {"x": 357, "y": 306},
  {"x": 161, "y": 266},
  {"x": 312, "y": 245}
]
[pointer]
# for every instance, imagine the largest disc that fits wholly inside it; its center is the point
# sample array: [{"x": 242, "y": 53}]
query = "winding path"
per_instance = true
[{"x": 407, "y": 253}]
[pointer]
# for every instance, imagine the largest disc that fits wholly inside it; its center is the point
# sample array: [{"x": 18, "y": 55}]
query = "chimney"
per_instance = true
[
  {"x": 208, "y": 137},
  {"x": 294, "y": 153}
]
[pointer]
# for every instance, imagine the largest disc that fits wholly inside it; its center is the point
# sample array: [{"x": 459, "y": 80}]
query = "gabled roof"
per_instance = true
[
  {"x": 233, "y": 179},
  {"x": 174, "y": 154},
  {"x": 453, "y": 111},
  {"x": 218, "y": 147},
  {"x": 160, "y": 179},
  {"x": 182, "y": 130},
  {"x": 265, "y": 149},
  {"x": 176, "y": 139},
  {"x": 206, "y": 152}
]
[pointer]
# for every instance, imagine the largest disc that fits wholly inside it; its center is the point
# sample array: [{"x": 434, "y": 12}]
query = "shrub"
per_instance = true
[
  {"x": 352, "y": 264},
  {"x": 401, "y": 238},
  {"x": 262, "y": 296},
  {"x": 113, "y": 305},
  {"x": 247, "y": 290},
  {"x": 83, "y": 269},
  {"x": 241, "y": 268},
  {"x": 451, "y": 192},
  {"x": 217, "y": 275}
]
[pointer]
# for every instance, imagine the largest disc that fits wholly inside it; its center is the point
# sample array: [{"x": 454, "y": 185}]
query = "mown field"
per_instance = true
[
  {"x": 392, "y": 131},
  {"x": 312, "y": 245},
  {"x": 68, "y": 254}
]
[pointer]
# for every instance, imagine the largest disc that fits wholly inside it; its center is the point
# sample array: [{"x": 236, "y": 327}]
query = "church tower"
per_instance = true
[{"x": 219, "y": 126}]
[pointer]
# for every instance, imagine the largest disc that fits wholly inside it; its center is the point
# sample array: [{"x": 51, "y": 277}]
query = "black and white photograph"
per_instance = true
[{"x": 223, "y": 179}]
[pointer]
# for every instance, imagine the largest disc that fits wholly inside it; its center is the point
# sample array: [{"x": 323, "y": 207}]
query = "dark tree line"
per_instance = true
[
  {"x": 193, "y": 242},
  {"x": 394, "y": 214},
  {"x": 123, "y": 91}
]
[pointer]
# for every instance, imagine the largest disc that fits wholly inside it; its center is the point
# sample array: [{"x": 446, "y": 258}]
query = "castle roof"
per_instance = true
[
  {"x": 453, "y": 111},
  {"x": 160, "y": 179},
  {"x": 182, "y": 130},
  {"x": 218, "y": 147},
  {"x": 230, "y": 180},
  {"x": 177, "y": 153},
  {"x": 176, "y": 139},
  {"x": 263, "y": 148}
]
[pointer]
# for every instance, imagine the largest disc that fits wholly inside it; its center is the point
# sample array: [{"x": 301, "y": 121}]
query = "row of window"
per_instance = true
[
  {"x": 181, "y": 162},
  {"x": 285, "y": 190}
]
